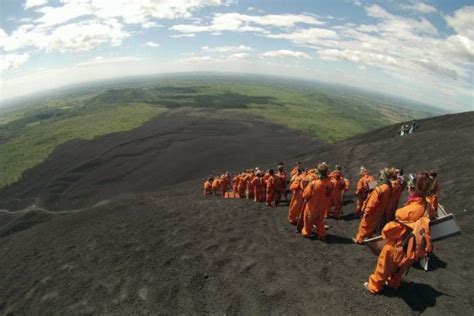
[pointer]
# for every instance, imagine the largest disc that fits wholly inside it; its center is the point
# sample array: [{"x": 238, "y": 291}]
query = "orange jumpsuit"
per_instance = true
[
  {"x": 318, "y": 198},
  {"x": 251, "y": 189},
  {"x": 336, "y": 198},
  {"x": 224, "y": 185},
  {"x": 282, "y": 183},
  {"x": 362, "y": 191},
  {"x": 392, "y": 262},
  {"x": 235, "y": 184},
  {"x": 397, "y": 190},
  {"x": 217, "y": 186},
  {"x": 272, "y": 195},
  {"x": 258, "y": 185},
  {"x": 297, "y": 200},
  {"x": 207, "y": 188},
  {"x": 377, "y": 204},
  {"x": 242, "y": 188}
]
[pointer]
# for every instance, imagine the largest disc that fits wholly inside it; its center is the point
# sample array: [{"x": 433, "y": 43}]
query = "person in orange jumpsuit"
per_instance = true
[
  {"x": 362, "y": 189},
  {"x": 258, "y": 185},
  {"x": 297, "y": 186},
  {"x": 377, "y": 203},
  {"x": 281, "y": 174},
  {"x": 337, "y": 170},
  {"x": 432, "y": 197},
  {"x": 251, "y": 189},
  {"x": 217, "y": 186},
  {"x": 242, "y": 188},
  {"x": 294, "y": 171},
  {"x": 271, "y": 185},
  {"x": 224, "y": 184},
  {"x": 393, "y": 262},
  {"x": 336, "y": 198},
  {"x": 208, "y": 186},
  {"x": 235, "y": 184},
  {"x": 308, "y": 176},
  {"x": 228, "y": 177},
  {"x": 317, "y": 195},
  {"x": 398, "y": 186}
]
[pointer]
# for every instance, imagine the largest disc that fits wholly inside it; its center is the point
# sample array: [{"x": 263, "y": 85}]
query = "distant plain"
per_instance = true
[{"x": 29, "y": 132}]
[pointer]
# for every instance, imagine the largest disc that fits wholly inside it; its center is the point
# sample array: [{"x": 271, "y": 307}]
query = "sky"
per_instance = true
[{"x": 419, "y": 50}]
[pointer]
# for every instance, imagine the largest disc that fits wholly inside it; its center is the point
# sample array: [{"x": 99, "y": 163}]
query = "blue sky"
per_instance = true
[{"x": 421, "y": 50}]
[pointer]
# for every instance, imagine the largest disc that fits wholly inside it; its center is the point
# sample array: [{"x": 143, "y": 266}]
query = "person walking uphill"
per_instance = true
[
  {"x": 317, "y": 195},
  {"x": 377, "y": 203},
  {"x": 408, "y": 239}
]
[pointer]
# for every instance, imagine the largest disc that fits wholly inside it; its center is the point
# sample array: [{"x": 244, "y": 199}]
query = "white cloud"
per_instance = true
[
  {"x": 226, "y": 49},
  {"x": 101, "y": 21},
  {"x": 459, "y": 47},
  {"x": 239, "y": 56},
  {"x": 285, "y": 53},
  {"x": 393, "y": 23},
  {"x": 132, "y": 12},
  {"x": 206, "y": 59},
  {"x": 463, "y": 21},
  {"x": 310, "y": 36},
  {"x": 357, "y": 57},
  {"x": 100, "y": 60},
  {"x": 248, "y": 23},
  {"x": 83, "y": 36},
  {"x": 183, "y": 35},
  {"x": 12, "y": 61},
  {"x": 34, "y": 3},
  {"x": 419, "y": 7},
  {"x": 152, "y": 44}
]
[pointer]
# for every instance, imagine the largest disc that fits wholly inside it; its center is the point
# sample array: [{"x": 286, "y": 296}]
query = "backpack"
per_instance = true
[{"x": 417, "y": 244}]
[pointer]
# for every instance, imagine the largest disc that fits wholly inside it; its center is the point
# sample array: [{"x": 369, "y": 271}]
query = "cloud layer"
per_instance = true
[{"x": 411, "y": 46}]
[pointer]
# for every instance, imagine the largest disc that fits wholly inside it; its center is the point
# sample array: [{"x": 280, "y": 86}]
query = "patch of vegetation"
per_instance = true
[
  {"x": 29, "y": 133},
  {"x": 36, "y": 141}
]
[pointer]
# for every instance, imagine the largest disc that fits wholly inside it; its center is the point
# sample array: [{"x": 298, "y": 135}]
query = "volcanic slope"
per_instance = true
[{"x": 171, "y": 250}]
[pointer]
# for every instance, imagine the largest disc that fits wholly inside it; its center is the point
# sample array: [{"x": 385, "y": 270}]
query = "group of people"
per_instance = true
[
  {"x": 318, "y": 193},
  {"x": 406, "y": 129}
]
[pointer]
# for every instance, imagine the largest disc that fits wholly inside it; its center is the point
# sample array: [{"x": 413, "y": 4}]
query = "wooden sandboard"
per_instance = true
[{"x": 231, "y": 195}]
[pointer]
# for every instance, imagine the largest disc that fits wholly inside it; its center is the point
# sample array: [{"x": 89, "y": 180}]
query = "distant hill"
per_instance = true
[{"x": 30, "y": 132}]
